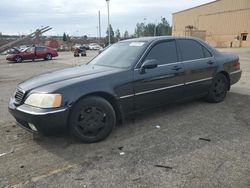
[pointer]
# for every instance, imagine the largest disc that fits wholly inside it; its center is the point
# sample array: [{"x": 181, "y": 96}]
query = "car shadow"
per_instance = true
[
  {"x": 30, "y": 61},
  {"x": 187, "y": 120}
]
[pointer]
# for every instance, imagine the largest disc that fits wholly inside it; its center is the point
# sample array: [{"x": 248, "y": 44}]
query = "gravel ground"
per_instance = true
[{"x": 157, "y": 148}]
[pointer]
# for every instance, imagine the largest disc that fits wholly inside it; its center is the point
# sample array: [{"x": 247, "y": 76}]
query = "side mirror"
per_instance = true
[{"x": 148, "y": 64}]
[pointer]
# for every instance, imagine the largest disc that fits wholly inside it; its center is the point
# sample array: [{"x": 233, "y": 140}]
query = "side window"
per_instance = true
[
  {"x": 206, "y": 52},
  {"x": 31, "y": 49},
  {"x": 39, "y": 49},
  {"x": 190, "y": 50},
  {"x": 164, "y": 52}
]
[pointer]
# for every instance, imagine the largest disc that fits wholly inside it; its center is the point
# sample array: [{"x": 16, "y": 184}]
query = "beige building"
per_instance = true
[{"x": 222, "y": 23}]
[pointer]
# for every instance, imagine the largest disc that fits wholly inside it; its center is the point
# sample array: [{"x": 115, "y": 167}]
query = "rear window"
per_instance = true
[{"x": 191, "y": 50}]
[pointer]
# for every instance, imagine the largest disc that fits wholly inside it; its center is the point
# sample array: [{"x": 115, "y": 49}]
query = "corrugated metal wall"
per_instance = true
[{"x": 222, "y": 20}]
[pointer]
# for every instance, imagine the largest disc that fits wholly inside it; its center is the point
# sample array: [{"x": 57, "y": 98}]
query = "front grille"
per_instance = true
[{"x": 19, "y": 95}]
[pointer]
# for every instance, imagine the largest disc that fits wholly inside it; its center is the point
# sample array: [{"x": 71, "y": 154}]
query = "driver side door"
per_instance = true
[
  {"x": 29, "y": 53},
  {"x": 162, "y": 84}
]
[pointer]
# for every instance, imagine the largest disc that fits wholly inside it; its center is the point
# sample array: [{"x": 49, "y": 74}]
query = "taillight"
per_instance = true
[{"x": 237, "y": 65}]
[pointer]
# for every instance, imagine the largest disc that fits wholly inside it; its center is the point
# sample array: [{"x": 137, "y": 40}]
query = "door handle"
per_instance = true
[
  {"x": 176, "y": 68},
  {"x": 210, "y": 62}
]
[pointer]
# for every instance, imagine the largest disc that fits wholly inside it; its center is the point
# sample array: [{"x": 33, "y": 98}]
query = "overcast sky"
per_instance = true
[{"x": 80, "y": 17}]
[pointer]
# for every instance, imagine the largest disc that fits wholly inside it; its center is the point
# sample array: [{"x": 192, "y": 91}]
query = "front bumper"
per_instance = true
[
  {"x": 45, "y": 121},
  {"x": 10, "y": 58}
]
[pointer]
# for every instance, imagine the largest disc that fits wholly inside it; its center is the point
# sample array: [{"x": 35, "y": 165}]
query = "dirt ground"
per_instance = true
[{"x": 158, "y": 148}]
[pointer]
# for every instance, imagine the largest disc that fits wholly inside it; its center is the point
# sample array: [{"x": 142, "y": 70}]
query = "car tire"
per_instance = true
[
  {"x": 92, "y": 119},
  {"x": 48, "y": 57},
  {"x": 218, "y": 89},
  {"x": 18, "y": 59}
]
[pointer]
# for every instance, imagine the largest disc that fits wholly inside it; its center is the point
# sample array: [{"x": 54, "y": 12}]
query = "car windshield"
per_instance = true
[
  {"x": 12, "y": 51},
  {"x": 119, "y": 55}
]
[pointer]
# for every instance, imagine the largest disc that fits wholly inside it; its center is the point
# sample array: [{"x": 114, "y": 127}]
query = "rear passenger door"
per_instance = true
[
  {"x": 162, "y": 84},
  {"x": 40, "y": 52},
  {"x": 199, "y": 64}
]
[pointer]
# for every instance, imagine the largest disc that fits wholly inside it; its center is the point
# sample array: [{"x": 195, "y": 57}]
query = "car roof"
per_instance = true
[{"x": 158, "y": 38}]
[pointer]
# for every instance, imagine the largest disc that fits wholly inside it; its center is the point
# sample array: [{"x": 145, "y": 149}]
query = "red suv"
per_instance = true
[{"x": 39, "y": 52}]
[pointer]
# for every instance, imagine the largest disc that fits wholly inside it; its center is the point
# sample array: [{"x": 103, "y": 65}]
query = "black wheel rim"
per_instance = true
[
  {"x": 219, "y": 87},
  {"x": 91, "y": 121},
  {"x": 49, "y": 57},
  {"x": 18, "y": 59}
]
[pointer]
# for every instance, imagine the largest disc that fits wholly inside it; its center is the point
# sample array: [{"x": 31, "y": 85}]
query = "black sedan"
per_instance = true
[{"x": 128, "y": 77}]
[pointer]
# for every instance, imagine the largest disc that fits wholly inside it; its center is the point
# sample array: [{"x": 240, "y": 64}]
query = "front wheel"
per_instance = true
[
  {"x": 18, "y": 59},
  {"x": 92, "y": 119},
  {"x": 218, "y": 89}
]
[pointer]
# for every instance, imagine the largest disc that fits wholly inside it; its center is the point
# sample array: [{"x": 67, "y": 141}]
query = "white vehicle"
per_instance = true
[
  {"x": 77, "y": 46},
  {"x": 94, "y": 47}
]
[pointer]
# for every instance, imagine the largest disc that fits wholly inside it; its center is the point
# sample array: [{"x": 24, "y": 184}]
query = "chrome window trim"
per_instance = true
[
  {"x": 197, "y": 59},
  {"x": 176, "y": 40},
  {"x": 162, "y": 65},
  {"x": 127, "y": 96},
  {"x": 164, "y": 88},
  {"x": 159, "y": 89},
  {"x": 235, "y": 72}
]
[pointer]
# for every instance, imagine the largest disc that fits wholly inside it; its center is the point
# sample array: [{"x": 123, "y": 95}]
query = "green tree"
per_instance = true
[
  {"x": 163, "y": 28},
  {"x": 126, "y": 34},
  {"x": 112, "y": 34},
  {"x": 85, "y": 37},
  {"x": 64, "y": 37},
  {"x": 117, "y": 34},
  {"x": 151, "y": 29},
  {"x": 140, "y": 29},
  {"x": 68, "y": 38}
]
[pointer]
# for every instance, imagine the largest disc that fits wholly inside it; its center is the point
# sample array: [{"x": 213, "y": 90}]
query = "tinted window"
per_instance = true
[
  {"x": 164, "y": 52},
  {"x": 191, "y": 50},
  {"x": 206, "y": 52},
  {"x": 39, "y": 48}
]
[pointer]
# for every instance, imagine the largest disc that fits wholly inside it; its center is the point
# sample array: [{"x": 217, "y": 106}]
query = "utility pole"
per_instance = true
[
  {"x": 99, "y": 21},
  {"x": 155, "y": 28},
  {"x": 108, "y": 19}
]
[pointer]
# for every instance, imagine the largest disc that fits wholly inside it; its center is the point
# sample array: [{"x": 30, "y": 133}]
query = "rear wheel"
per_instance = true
[
  {"x": 92, "y": 119},
  {"x": 218, "y": 89},
  {"x": 18, "y": 59},
  {"x": 48, "y": 57}
]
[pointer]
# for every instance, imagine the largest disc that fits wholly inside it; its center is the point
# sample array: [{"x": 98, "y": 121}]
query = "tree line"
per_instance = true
[
  {"x": 161, "y": 28},
  {"x": 142, "y": 30}
]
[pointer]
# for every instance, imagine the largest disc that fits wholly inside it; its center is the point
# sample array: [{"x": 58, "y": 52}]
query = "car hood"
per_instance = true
[{"x": 83, "y": 71}]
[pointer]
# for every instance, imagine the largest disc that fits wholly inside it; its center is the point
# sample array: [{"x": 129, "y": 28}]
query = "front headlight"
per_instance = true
[{"x": 44, "y": 100}]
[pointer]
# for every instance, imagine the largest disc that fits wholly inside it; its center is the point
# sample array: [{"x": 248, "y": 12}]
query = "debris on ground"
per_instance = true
[
  {"x": 158, "y": 126},
  {"x": 79, "y": 179},
  {"x": 2, "y": 154},
  {"x": 120, "y": 148},
  {"x": 122, "y": 153},
  {"x": 136, "y": 179},
  {"x": 205, "y": 139},
  {"x": 163, "y": 166},
  {"x": 5, "y": 153}
]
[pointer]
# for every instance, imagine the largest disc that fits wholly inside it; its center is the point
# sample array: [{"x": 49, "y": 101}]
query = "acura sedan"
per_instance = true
[{"x": 128, "y": 77}]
